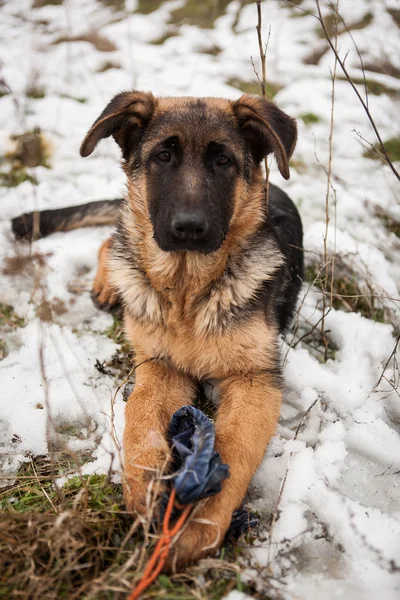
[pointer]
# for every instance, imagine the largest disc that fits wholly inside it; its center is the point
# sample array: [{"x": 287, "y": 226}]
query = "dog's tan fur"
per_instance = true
[{"x": 182, "y": 332}]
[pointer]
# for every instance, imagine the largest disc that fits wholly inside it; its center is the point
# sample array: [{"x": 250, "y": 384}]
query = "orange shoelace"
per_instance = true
[{"x": 160, "y": 553}]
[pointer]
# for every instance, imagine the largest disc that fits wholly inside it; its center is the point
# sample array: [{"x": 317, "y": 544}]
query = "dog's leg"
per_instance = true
[
  {"x": 246, "y": 421},
  {"x": 160, "y": 390},
  {"x": 104, "y": 295}
]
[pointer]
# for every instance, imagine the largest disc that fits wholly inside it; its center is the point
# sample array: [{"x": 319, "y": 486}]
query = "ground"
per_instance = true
[{"x": 327, "y": 492}]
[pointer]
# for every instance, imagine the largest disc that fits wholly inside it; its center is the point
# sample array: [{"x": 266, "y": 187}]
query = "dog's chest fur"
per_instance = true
[{"x": 202, "y": 314}]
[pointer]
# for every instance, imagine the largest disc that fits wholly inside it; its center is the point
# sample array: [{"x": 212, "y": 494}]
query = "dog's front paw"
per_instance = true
[
  {"x": 145, "y": 465},
  {"x": 103, "y": 294},
  {"x": 136, "y": 493},
  {"x": 202, "y": 537}
]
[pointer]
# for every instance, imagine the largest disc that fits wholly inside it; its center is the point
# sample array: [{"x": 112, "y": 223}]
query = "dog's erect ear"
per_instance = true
[
  {"x": 267, "y": 129},
  {"x": 125, "y": 118}
]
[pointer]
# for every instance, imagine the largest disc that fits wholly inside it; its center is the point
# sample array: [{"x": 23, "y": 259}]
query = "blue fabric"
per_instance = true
[{"x": 200, "y": 468}]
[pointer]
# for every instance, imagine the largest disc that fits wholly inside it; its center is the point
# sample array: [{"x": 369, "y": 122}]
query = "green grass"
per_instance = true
[
  {"x": 116, "y": 331},
  {"x": 145, "y": 7},
  {"x": 308, "y": 118},
  {"x": 121, "y": 363},
  {"x": 30, "y": 149},
  {"x": 13, "y": 177},
  {"x": 392, "y": 148},
  {"x": 8, "y": 321},
  {"x": 202, "y": 14},
  {"x": 80, "y": 99},
  {"x": 298, "y": 165},
  {"x": 347, "y": 295},
  {"x": 254, "y": 87},
  {"x": 373, "y": 87},
  {"x": 8, "y": 317},
  {"x": 35, "y": 91}
]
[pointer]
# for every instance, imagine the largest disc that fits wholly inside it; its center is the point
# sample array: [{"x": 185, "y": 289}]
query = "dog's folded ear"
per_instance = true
[
  {"x": 125, "y": 118},
  {"x": 267, "y": 129}
]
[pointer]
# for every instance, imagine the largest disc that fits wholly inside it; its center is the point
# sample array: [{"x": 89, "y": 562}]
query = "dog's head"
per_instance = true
[{"x": 193, "y": 157}]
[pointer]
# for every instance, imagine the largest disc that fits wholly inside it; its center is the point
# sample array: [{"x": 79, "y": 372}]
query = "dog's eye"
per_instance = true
[
  {"x": 164, "y": 156},
  {"x": 222, "y": 160}
]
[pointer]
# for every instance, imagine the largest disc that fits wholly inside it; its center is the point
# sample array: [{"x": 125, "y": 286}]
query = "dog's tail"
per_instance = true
[{"x": 34, "y": 225}]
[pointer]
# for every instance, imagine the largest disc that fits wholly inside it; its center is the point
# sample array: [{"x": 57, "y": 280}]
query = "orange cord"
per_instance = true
[{"x": 160, "y": 553}]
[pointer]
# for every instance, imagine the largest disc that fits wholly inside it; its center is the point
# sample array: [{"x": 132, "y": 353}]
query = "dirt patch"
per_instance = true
[
  {"x": 107, "y": 65},
  {"x": 169, "y": 33},
  {"x": 101, "y": 43},
  {"x": 384, "y": 66},
  {"x": 47, "y": 310},
  {"x": 316, "y": 54},
  {"x": 24, "y": 264},
  {"x": 395, "y": 14}
]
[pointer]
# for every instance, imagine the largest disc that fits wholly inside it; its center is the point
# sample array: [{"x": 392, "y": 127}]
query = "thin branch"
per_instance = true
[
  {"x": 262, "y": 50},
  {"x": 328, "y": 190},
  {"x": 349, "y": 79},
  {"x": 388, "y": 361}
]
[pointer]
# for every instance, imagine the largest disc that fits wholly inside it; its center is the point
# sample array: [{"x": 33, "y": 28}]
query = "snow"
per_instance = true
[{"x": 332, "y": 470}]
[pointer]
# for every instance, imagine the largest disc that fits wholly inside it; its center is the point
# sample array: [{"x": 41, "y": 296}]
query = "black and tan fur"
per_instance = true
[{"x": 207, "y": 276}]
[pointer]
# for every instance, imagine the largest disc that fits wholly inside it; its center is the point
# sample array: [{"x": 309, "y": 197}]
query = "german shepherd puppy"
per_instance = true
[{"x": 208, "y": 276}]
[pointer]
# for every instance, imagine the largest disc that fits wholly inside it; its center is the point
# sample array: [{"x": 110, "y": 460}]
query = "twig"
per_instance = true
[
  {"x": 262, "y": 50},
  {"x": 388, "y": 361},
  {"x": 328, "y": 189}
]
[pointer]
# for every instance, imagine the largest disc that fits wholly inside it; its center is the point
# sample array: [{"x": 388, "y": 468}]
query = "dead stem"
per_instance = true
[{"x": 263, "y": 53}]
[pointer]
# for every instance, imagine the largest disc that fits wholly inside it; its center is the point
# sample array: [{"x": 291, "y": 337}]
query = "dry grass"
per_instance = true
[
  {"x": 9, "y": 321},
  {"x": 374, "y": 87},
  {"x": 389, "y": 221},
  {"x": 78, "y": 541},
  {"x": 349, "y": 291},
  {"x": 253, "y": 87},
  {"x": 330, "y": 24},
  {"x": 203, "y": 14},
  {"x": 101, "y": 43},
  {"x": 384, "y": 66},
  {"x": 28, "y": 150},
  {"x": 23, "y": 264}
]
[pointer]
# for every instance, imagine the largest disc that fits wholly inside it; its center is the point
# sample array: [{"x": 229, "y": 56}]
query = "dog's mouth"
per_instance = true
[{"x": 203, "y": 246}]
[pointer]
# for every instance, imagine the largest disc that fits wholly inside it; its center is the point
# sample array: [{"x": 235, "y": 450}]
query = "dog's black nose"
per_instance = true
[{"x": 190, "y": 224}]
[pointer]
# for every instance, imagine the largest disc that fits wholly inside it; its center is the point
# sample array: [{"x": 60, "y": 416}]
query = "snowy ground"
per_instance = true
[{"x": 335, "y": 479}]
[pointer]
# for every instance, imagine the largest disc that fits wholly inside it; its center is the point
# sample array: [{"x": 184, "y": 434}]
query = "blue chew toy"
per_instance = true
[{"x": 198, "y": 467}]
